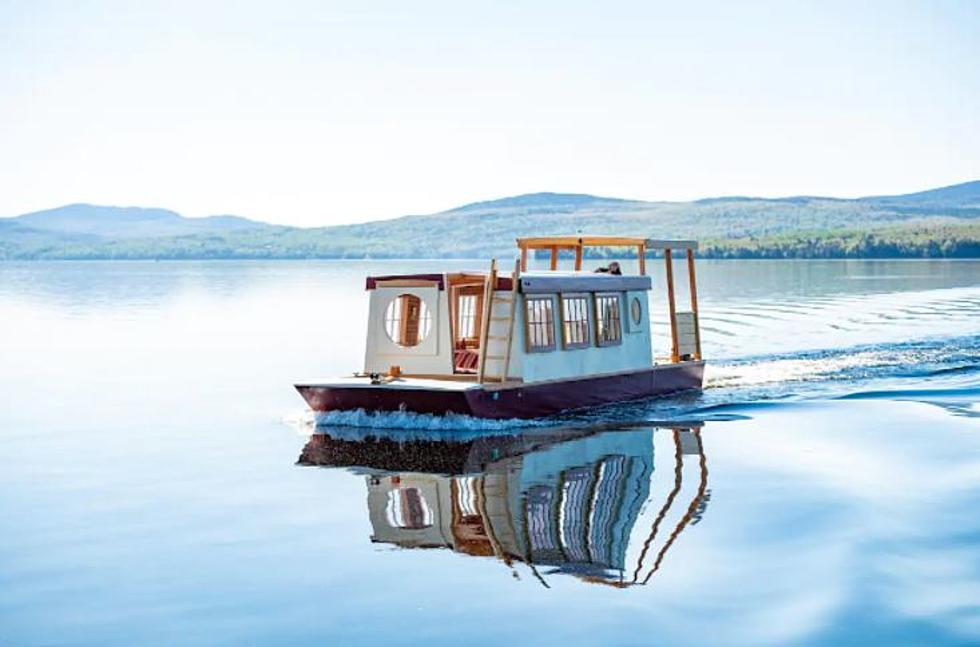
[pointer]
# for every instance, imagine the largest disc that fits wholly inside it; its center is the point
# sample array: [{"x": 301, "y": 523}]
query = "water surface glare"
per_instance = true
[{"x": 161, "y": 482}]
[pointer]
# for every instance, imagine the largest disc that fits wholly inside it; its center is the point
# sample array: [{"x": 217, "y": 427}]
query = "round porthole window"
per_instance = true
[
  {"x": 636, "y": 311},
  {"x": 407, "y": 320}
]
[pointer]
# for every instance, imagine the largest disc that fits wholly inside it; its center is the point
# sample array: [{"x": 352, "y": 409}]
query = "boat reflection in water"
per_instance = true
[{"x": 559, "y": 501}]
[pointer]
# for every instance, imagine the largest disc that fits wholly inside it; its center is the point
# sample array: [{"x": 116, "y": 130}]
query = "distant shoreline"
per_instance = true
[
  {"x": 939, "y": 223},
  {"x": 393, "y": 259}
]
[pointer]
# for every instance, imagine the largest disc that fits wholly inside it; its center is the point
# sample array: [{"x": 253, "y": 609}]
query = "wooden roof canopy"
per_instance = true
[
  {"x": 641, "y": 245},
  {"x": 579, "y": 243}
]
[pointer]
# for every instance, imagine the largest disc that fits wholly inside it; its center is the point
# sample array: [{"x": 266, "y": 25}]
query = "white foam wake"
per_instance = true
[{"x": 410, "y": 420}]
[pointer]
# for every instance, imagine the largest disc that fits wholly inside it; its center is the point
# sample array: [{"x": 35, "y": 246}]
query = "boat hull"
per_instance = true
[{"x": 533, "y": 400}]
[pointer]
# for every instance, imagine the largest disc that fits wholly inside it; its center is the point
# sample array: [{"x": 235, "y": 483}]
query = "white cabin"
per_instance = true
[{"x": 525, "y": 326}]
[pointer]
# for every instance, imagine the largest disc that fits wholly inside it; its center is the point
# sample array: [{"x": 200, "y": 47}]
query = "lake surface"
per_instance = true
[{"x": 161, "y": 482}]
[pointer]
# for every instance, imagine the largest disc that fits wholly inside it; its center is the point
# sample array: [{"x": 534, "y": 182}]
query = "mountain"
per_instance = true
[
  {"x": 546, "y": 201},
  {"x": 965, "y": 195},
  {"x": 938, "y": 222},
  {"x": 128, "y": 222}
]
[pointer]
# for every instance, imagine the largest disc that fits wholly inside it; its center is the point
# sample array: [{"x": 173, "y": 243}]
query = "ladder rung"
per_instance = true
[
  {"x": 493, "y": 357},
  {"x": 503, "y": 300},
  {"x": 499, "y": 318},
  {"x": 497, "y": 337}
]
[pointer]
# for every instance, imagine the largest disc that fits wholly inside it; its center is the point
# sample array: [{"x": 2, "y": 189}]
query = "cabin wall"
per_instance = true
[
  {"x": 633, "y": 353},
  {"x": 431, "y": 494},
  {"x": 432, "y": 356}
]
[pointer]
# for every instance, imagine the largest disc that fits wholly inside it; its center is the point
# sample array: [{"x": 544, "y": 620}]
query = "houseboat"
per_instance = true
[
  {"x": 520, "y": 344},
  {"x": 604, "y": 506}
]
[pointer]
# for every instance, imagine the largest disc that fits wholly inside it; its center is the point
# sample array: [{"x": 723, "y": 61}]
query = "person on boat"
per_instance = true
[{"x": 612, "y": 268}]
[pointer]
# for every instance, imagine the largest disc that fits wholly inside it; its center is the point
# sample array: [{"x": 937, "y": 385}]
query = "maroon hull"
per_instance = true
[{"x": 520, "y": 401}]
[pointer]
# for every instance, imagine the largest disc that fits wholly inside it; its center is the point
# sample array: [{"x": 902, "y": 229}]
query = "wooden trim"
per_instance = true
[
  {"x": 642, "y": 257},
  {"x": 453, "y": 297},
  {"x": 569, "y": 242},
  {"x": 587, "y": 338},
  {"x": 406, "y": 283},
  {"x": 487, "y": 307},
  {"x": 595, "y": 308},
  {"x": 372, "y": 281},
  {"x": 694, "y": 303},
  {"x": 461, "y": 279},
  {"x": 671, "y": 306},
  {"x": 528, "y": 300}
]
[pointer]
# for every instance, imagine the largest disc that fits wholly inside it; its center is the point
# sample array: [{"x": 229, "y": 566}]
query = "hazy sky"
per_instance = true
[{"x": 329, "y": 112}]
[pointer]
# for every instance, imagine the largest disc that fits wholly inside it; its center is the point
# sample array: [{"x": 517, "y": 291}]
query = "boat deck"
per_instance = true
[{"x": 399, "y": 383}]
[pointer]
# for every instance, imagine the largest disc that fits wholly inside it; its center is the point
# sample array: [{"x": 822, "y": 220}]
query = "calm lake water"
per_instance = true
[{"x": 162, "y": 483}]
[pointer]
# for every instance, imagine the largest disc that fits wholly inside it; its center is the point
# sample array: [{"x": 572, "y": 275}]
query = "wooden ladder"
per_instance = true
[{"x": 497, "y": 326}]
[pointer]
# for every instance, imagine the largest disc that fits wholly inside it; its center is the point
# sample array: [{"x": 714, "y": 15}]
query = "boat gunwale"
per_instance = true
[{"x": 402, "y": 383}]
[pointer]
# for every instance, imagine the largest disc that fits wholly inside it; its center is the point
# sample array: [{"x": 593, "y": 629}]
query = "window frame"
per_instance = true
[
  {"x": 586, "y": 340},
  {"x": 631, "y": 325},
  {"x": 395, "y": 316},
  {"x": 467, "y": 317},
  {"x": 597, "y": 297},
  {"x": 528, "y": 345}
]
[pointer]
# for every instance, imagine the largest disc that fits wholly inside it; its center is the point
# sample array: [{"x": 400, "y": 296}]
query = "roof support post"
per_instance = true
[
  {"x": 694, "y": 303},
  {"x": 578, "y": 257},
  {"x": 554, "y": 257},
  {"x": 523, "y": 258},
  {"x": 674, "y": 348},
  {"x": 641, "y": 251}
]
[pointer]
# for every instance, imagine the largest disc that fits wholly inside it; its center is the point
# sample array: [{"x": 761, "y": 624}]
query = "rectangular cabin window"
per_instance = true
[
  {"x": 540, "y": 324},
  {"x": 575, "y": 321},
  {"x": 466, "y": 316},
  {"x": 608, "y": 324}
]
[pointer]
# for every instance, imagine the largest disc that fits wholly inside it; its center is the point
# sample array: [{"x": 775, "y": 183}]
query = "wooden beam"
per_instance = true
[
  {"x": 578, "y": 258},
  {"x": 523, "y": 258},
  {"x": 554, "y": 257},
  {"x": 692, "y": 279},
  {"x": 641, "y": 251},
  {"x": 674, "y": 350},
  {"x": 453, "y": 297},
  {"x": 407, "y": 283},
  {"x": 569, "y": 242}
]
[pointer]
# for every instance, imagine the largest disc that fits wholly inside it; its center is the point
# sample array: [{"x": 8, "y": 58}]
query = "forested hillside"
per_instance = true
[{"x": 937, "y": 223}]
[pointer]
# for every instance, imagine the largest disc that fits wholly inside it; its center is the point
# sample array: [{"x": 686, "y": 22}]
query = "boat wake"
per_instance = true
[
  {"x": 940, "y": 370},
  {"x": 411, "y": 420},
  {"x": 922, "y": 360},
  {"x": 945, "y": 372}
]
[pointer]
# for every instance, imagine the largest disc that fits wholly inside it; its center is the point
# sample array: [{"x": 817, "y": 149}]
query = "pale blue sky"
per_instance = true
[{"x": 328, "y": 112}]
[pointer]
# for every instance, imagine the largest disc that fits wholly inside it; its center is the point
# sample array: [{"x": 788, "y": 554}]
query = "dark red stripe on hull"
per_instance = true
[
  {"x": 333, "y": 398},
  {"x": 525, "y": 401}
]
